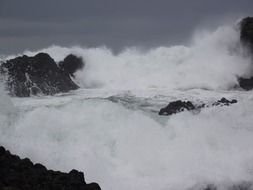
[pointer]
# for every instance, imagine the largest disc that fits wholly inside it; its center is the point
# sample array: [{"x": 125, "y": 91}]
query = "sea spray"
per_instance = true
[
  {"x": 213, "y": 60},
  {"x": 123, "y": 146}
]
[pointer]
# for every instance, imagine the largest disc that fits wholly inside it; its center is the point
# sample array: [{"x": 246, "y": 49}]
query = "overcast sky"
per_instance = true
[{"x": 34, "y": 24}]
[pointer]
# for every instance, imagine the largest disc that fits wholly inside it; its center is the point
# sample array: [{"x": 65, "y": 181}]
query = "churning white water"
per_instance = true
[
  {"x": 113, "y": 133},
  {"x": 212, "y": 61}
]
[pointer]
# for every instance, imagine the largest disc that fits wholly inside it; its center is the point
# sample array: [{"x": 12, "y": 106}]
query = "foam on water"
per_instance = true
[
  {"x": 128, "y": 149},
  {"x": 7, "y": 109},
  {"x": 125, "y": 149}
]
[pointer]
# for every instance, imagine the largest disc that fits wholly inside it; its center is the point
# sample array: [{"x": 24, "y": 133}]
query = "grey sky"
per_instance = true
[{"x": 33, "y": 24}]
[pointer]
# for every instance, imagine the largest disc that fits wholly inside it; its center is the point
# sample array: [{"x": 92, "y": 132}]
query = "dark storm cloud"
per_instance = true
[{"x": 29, "y": 24}]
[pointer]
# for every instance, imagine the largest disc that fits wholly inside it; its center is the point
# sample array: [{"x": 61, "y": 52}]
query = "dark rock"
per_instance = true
[
  {"x": 224, "y": 102},
  {"x": 22, "y": 174},
  {"x": 176, "y": 107},
  {"x": 180, "y": 106},
  {"x": 210, "y": 187},
  {"x": 242, "y": 186},
  {"x": 93, "y": 186},
  {"x": 35, "y": 75},
  {"x": 71, "y": 64},
  {"x": 246, "y": 35},
  {"x": 246, "y": 84}
]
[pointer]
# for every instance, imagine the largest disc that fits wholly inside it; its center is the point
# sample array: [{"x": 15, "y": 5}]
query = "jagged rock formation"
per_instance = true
[
  {"x": 246, "y": 36},
  {"x": 180, "y": 106},
  {"x": 26, "y": 76},
  {"x": 22, "y": 174}
]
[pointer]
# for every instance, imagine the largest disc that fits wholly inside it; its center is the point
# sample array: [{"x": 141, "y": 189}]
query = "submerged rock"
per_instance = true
[
  {"x": 26, "y": 76},
  {"x": 180, "y": 106},
  {"x": 22, "y": 174}
]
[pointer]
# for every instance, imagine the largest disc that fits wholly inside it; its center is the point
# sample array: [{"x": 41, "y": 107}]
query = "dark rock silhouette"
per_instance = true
[
  {"x": 26, "y": 76},
  {"x": 224, "y": 102},
  {"x": 246, "y": 83},
  {"x": 22, "y": 174},
  {"x": 71, "y": 64},
  {"x": 180, "y": 106},
  {"x": 176, "y": 107},
  {"x": 246, "y": 35}
]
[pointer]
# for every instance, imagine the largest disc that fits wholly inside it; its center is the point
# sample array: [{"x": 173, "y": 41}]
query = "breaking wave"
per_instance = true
[
  {"x": 124, "y": 147},
  {"x": 213, "y": 60}
]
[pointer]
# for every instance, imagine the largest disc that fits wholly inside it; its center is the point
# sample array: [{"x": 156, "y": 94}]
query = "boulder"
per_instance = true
[
  {"x": 71, "y": 64},
  {"x": 39, "y": 74},
  {"x": 22, "y": 174},
  {"x": 246, "y": 33}
]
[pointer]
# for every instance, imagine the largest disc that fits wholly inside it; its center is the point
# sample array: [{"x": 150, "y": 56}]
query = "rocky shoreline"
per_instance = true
[
  {"x": 40, "y": 74},
  {"x": 180, "y": 106},
  {"x": 22, "y": 174}
]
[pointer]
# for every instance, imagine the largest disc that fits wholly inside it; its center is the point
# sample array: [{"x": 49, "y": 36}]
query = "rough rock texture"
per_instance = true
[
  {"x": 40, "y": 74},
  {"x": 224, "y": 102},
  {"x": 179, "y": 106},
  {"x": 176, "y": 107},
  {"x": 247, "y": 40},
  {"x": 22, "y": 174},
  {"x": 71, "y": 64}
]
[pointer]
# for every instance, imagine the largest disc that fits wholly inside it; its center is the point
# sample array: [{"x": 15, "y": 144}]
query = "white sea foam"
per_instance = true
[
  {"x": 213, "y": 60},
  {"x": 135, "y": 149},
  {"x": 125, "y": 149}
]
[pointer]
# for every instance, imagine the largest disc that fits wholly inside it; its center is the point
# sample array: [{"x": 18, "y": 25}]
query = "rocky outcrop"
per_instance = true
[
  {"x": 180, "y": 106},
  {"x": 22, "y": 174},
  {"x": 222, "y": 102},
  {"x": 246, "y": 35},
  {"x": 176, "y": 107},
  {"x": 26, "y": 76},
  {"x": 246, "y": 84},
  {"x": 71, "y": 64}
]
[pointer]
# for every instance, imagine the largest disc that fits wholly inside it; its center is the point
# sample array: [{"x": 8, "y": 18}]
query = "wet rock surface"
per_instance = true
[
  {"x": 176, "y": 107},
  {"x": 180, "y": 106},
  {"x": 246, "y": 35},
  {"x": 26, "y": 76},
  {"x": 71, "y": 64},
  {"x": 22, "y": 174},
  {"x": 246, "y": 83},
  {"x": 224, "y": 102}
]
